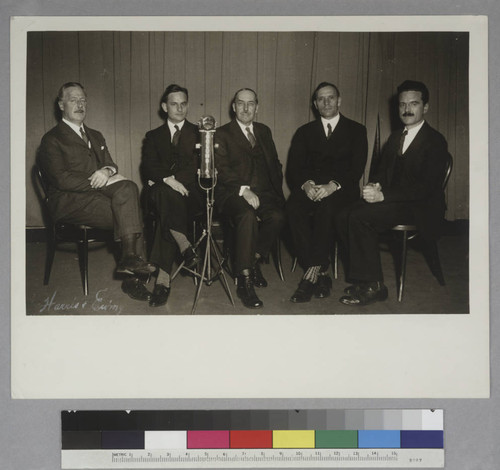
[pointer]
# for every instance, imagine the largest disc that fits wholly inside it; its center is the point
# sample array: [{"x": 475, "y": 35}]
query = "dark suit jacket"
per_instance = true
[
  {"x": 341, "y": 158},
  {"x": 159, "y": 158},
  {"x": 67, "y": 163},
  {"x": 422, "y": 180},
  {"x": 234, "y": 162}
]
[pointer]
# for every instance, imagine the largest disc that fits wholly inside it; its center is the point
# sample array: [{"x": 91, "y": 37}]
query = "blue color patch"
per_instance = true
[
  {"x": 379, "y": 439},
  {"x": 422, "y": 439}
]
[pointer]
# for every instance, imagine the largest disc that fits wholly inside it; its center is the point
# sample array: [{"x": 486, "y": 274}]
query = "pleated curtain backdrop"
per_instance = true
[{"x": 125, "y": 74}]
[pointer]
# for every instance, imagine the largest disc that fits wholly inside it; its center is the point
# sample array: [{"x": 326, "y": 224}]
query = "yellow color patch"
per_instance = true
[{"x": 293, "y": 439}]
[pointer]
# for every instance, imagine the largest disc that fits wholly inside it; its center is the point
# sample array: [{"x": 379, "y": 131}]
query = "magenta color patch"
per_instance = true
[{"x": 208, "y": 440}]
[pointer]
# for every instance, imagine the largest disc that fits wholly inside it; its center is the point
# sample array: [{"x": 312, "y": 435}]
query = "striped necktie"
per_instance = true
[
  {"x": 251, "y": 137},
  {"x": 84, "y": 136}
]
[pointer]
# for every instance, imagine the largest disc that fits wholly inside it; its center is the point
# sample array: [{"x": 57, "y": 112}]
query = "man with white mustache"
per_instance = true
[{"x": 84, "y": 186}]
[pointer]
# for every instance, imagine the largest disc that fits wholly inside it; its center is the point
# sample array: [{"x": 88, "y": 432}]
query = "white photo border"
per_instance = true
[{"x": 390, "y": 356}]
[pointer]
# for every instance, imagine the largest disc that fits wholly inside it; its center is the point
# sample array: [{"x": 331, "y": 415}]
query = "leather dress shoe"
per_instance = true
[
  {"x": 246, "y": 292},
  {"x": 322, "y": 287},
  {"x": 190, "y": 258},
  {"x": 366, "y": 295},
  {"x": 133, "y": 264},
  {"x": 304, "y": 292},
  {"x": 135, "y": 289},
  {"x": 159, "y": 296},
  {"x": 258, "y": 279},
  {"x": 350, "y": 290}
]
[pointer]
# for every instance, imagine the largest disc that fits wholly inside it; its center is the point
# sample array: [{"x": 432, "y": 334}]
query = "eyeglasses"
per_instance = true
[{"x": 82, "y": 101}]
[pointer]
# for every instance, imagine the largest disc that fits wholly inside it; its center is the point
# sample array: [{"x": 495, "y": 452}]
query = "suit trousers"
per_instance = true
[
  {"x": 252, "y": 236},
  {"x": 113, "y": 207},
  {"x": 311, "y": 225},
  {"x": 174, "y": 212},
  {"x": 359, "y": 226}
]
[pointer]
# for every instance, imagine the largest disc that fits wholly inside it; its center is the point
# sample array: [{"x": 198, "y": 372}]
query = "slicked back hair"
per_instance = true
[
  {"x": 173, "y": 88},
  {"x": 245, "y": 89},
  {"x": 412, "y": 85},
  {"x": 324, "y": 85},
  {"x": 60, "y": 93}
]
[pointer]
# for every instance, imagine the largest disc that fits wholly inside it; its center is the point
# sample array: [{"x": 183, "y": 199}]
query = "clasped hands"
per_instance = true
[
  {"x": 317, "y": 192},
  {"x": 372, "y": 192}
]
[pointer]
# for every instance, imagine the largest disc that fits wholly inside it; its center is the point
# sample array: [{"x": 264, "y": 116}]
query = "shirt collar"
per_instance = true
[
  {"x": 172, "y": 128},
  {"x": 243, "y": 127},
  {"x": 73, "y": 126},
  {"x": 414, "y": 130},
  {"x": 333, "y": 122}
]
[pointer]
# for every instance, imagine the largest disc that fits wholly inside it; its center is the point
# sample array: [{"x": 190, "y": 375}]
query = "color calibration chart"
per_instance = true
[{"x": 252, "y": 439}]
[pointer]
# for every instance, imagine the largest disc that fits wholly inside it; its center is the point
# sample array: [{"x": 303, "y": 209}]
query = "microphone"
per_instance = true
[{"x": 207, "y": 125}]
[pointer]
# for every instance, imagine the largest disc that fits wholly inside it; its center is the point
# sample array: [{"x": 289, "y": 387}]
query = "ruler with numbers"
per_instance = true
[{"x": 252, "y": 439}]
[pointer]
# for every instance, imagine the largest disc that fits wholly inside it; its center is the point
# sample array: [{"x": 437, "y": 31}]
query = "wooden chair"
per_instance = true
[
  {"x": 429, "y": 248},
  {"x": 60, "y": 231}
]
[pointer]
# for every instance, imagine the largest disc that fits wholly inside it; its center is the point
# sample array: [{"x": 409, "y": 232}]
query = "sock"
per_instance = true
[
  {"x": 163, "y": 278},
  {"x": 257, "y": 258},
  {"x": 181, "y": 240},
  {"x": 311, "y": 274}
]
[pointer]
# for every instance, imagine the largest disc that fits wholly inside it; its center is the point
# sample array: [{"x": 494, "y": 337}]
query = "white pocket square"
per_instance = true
[{"x": 102, "y": 147}]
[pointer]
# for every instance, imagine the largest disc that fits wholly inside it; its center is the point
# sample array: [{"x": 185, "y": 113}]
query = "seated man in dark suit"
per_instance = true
[
  {"x": 326, "y": 161},
  {"x": 169, "y": 163},
  {"x": 249, "y": 187},
  {"x": 406, "y": 189},
  {"x": 85, "y": 188}
]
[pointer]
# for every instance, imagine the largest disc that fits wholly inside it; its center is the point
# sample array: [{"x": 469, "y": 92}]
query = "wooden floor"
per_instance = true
[{"x": 64, "y": 294}]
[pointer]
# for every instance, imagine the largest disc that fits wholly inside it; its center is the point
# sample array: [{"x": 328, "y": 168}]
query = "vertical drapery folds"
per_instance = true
[{"x": 125, "y": 74}]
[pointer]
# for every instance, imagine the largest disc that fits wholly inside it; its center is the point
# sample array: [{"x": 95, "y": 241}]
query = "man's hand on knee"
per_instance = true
[
  {"x": 251, "y": 198},
  {"x": 99, "y": 178},
  {"x": 176, "y": 185}
]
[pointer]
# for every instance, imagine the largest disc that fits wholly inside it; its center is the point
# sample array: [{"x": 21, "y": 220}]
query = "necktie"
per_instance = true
[
  {"x": 84, "y": 136},
  {"x": 251, "y": 137},
  {"x": 177, "y": 134},
  {"x": 402, "y": 142},
  {"x": 328, "y": 135}
]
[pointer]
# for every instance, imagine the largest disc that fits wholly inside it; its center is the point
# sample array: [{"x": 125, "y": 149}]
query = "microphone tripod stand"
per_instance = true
[{"x": 210, "y": 271}]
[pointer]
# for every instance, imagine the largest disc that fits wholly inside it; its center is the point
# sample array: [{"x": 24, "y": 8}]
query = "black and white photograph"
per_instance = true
[
  {"x": 309, "y": 211},
  {"x": 249, "y": 213},
  {"x": 265, "y": 177}
]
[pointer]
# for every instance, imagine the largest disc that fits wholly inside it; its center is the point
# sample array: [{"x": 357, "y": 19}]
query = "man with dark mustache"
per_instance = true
[
  {"x": 84, "y": 186},
  {"x": 406, "y": 189}
]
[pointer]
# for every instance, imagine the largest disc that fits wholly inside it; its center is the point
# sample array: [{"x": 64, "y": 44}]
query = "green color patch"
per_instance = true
[{"x": 336, "y": 440}]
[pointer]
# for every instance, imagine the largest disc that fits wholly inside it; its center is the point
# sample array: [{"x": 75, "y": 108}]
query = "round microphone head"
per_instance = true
[{"x": 207, "y": 123}]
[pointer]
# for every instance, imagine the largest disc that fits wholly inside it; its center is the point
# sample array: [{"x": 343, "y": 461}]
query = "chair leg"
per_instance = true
[
  {"x": 51, "y": 250},
  {"x": 294, "y": 264},
  {"x": 336, "y": 260},
  {"x": 277, "y": 258},
  {"x": 83, "y": 258},
  {"x": 431, "y": 254},
  {"x": 402, "y": 274}
]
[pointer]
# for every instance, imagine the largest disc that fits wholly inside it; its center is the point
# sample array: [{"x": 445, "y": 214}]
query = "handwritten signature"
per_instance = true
[{"x": 99, "y": 304}]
